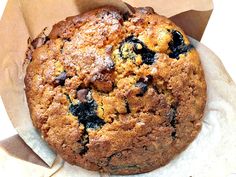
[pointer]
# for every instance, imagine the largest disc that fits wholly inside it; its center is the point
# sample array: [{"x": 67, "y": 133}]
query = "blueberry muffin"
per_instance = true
[{"x": 117, "y": 93}]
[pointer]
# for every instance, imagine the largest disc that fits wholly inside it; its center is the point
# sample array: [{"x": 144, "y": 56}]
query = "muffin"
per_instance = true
[{"x": 117, "y": 93}]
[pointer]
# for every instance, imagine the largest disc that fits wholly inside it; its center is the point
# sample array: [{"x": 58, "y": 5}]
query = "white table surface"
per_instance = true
[{"x": 220, "y": 36}]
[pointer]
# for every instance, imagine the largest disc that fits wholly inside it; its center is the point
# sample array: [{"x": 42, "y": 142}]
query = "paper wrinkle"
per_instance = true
[
  {"x": 166, "y": 7},
  {"x": 32, "y": 13},
  {"x": 31, "y": 136},
  {"x": 13, "y": 90},
  {"x": 13, "y": 166}
]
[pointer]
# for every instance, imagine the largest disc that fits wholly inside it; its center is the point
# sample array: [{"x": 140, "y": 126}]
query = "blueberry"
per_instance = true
[
  {"x": 172, "y": 119},
  {"x": 84, "y": 141},
  {"x": 60, "y": 80},
  {"x": 93, "y": 121},
  {"x": 143, "y": 88},
  {"x": 127, "y": 107},
  {"x": 177, "y": 45},
  {"x": 132, "y": 46},
  {"x": 172, "y": 116},
  {"x": 86, "y": 113},
  {"x": 85, "y": 110}
]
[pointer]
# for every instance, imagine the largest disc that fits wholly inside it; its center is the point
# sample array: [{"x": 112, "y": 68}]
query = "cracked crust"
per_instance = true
[{"x": 116, "y": 93}]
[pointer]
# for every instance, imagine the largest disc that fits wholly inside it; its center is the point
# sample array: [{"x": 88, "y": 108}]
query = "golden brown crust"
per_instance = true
[{"x": 116, "y": 93}]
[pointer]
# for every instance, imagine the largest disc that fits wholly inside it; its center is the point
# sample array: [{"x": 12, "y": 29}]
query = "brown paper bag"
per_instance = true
[{"x": 24, "y": 18}]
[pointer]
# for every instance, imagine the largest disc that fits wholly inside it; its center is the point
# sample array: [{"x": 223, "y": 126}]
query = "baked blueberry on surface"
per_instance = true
[
  {"x": 116, "y": 93},
  {"x": 131, "y": 47},
  {"x": 177, "y": 45}
]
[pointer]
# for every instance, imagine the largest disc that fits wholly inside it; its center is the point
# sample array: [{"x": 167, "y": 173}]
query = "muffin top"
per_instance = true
[{"x": 120, "y": 93}]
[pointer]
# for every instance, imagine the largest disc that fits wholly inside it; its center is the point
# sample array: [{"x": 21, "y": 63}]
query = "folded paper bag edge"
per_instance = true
[
  {"x": 30, "y": 15},
  {"x": 12, "y": 80},
  {"x": 48, "y": 156},
  {"x": 171, "y": 7}
]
